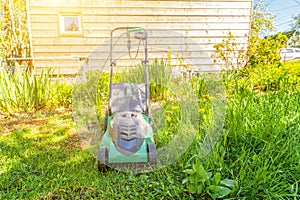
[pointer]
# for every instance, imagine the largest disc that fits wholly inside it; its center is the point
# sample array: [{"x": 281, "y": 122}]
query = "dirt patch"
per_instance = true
[{"x": 11, "y": 122}]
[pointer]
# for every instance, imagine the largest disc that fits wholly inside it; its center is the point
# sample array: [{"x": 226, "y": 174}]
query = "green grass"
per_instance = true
[
  {"x": 259, "y": 150},
  {"x": 45, "y": 161},
  {"x": 263, "y": 144}
]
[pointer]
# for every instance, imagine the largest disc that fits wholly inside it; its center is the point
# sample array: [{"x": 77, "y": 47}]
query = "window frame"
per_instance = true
[{"x": 62, "y": 31}]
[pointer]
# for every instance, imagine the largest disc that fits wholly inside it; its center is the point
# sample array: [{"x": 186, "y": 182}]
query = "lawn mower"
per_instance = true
[{"x": 128, "y": 137}]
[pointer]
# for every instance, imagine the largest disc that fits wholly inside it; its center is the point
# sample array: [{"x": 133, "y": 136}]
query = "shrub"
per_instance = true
[
  {"x": 264, "y": 51},
  {"x": 61, "y": 94},
  {"x": 273, "y": 77}
]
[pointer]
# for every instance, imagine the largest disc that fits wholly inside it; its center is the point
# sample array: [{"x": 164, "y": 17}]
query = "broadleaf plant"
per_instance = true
[{"x": 201, "y": 182}]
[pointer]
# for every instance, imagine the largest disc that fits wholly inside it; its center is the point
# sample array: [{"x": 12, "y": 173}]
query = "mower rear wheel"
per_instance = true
[
  {"x": 151, "y": 152},
  {"x": 102, "y": 159}
]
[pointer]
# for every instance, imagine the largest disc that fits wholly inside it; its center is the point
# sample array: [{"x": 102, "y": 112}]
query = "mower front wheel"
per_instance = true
[
  {"x": 102, "y": 159},
  {"x": 152, "y": 154}
]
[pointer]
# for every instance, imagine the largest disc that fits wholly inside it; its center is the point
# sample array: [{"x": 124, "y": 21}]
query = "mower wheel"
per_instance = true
[
  {"x": 102, "y": 159},
  {"x": 152, "y": 154}
]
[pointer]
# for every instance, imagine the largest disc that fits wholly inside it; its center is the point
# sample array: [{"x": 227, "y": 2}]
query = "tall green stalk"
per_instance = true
[{"x": 24, "y": 91}]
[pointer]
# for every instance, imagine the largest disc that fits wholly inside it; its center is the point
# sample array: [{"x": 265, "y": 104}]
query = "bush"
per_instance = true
[
  {"x": 61, "y": 95},
  {"x": 275, "y": 77},
  {"x": 264, "y": 51}
]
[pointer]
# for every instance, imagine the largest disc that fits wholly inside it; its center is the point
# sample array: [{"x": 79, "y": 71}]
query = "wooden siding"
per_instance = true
[{"x": 189, "y": 28}]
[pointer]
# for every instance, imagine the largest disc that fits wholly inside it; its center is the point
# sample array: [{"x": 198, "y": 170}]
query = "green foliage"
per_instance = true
[
  {"x": 265, "y": 78},
  {"x": 264, "y": 51},
  {"x": 296, "y": 23},
  {"x": 260, "y": 51},
  {"x": 22, "y": 91},
  {"x": 46, "y": 161},
  {"x": 204, "y": 101},
  {"x": 257, "y": 157},
  {"x": 201, "y": 182},
  {"x": 159, "y": 78},
  {"x": 102, "y": 90},
  {"x": 261, "y": 143},
  {"x": 61, "y": 94},
  {"x": 273, "y": 78},
  {"x": 262, "y": 20},
  {"x": 170, "y": 125}
]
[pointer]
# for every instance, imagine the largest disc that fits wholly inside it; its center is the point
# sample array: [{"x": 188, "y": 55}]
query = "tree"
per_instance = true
[
  {"x": 264, "y": 50},
  {"x": 261, "y": 51},
  {"x": 14, "y": 35},
  {"x": 262, "y": 19},
  {"x": 296, "y": 23}
]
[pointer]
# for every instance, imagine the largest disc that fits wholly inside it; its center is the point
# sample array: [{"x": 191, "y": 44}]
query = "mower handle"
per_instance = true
[{"x": 145, "y": 62}]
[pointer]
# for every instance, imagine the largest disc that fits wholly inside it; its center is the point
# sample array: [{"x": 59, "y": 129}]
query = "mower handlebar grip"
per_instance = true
[{"x": 134, "y": 29}]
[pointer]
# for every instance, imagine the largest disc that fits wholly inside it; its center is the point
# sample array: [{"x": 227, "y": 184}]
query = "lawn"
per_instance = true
[
  {"x": 45, "y": 161},
  {"x": 256, "y": 157}
]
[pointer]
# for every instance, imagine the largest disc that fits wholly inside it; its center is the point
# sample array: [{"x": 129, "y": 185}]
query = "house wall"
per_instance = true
[{"x": 188, "y": 28}]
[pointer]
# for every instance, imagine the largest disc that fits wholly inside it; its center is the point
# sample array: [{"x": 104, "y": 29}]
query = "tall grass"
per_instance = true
[
  {"x": 24, "y": 91},
  {"x": 159, "y": 78},
  {"x": 259, "y": 151},
  {"x": 264, "y": 143},
  {"x": 260, "y": 148}
]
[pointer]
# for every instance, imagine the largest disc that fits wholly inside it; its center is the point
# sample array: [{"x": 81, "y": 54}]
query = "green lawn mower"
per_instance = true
[{"x": 128, "y": 138}]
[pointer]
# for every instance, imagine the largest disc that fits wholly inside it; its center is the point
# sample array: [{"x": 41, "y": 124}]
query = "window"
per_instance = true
[{"x": 70, "y": 25}]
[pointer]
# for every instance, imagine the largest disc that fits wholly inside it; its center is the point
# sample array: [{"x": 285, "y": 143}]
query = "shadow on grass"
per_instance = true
[{"x": 46, "y": 162}]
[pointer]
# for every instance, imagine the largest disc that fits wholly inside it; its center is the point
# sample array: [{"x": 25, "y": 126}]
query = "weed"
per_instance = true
[{"x": 203, "y": 183}]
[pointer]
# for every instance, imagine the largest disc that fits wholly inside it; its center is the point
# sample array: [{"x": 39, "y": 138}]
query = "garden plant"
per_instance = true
[{"x": 257, "y": 155}]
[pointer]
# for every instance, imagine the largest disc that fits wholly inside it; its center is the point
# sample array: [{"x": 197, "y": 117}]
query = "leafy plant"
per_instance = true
[
  {"x": 264, "y": 51},
  {"x": 269, "y": 78},
  {"x": 102, "y": 90},
  {"x": 201, "y": 182},
  {"x": 260, "y": 51},
  {"x": 61, "y": 94},
  {"x": 24, "y": 91}
]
